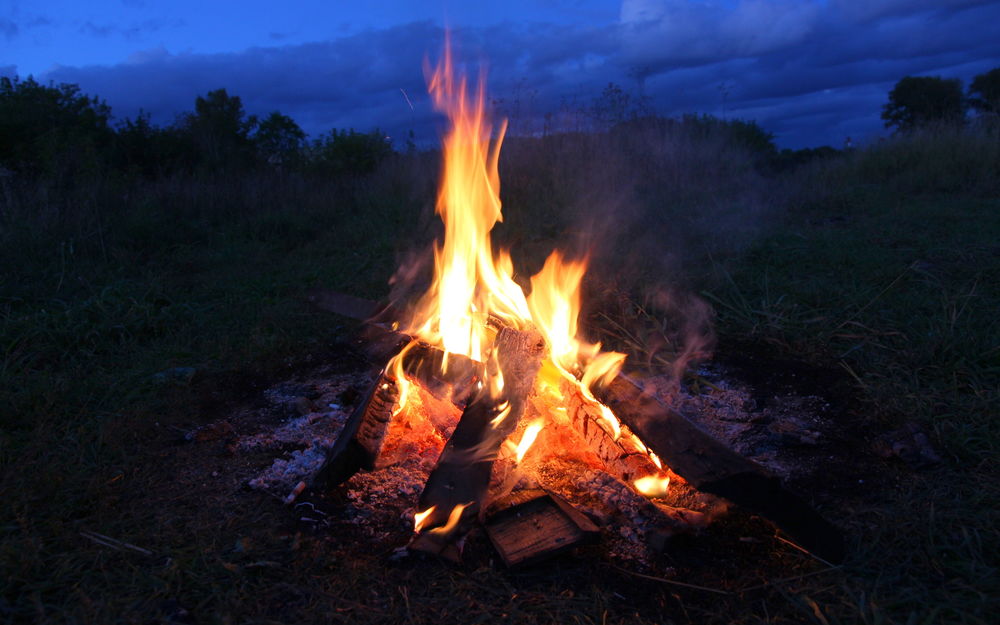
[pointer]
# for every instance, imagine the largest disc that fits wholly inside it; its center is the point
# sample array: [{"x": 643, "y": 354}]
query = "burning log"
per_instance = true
[
  {"x": 461, "y": 477},
  {"x": 360, "y": 442},
  {"x": 657, "y": 523},
  {"x": 711, "y": 467},
  {"x": 623, "y": 455}
]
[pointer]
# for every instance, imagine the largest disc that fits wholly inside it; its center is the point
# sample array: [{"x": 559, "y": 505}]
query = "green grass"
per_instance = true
[
  {"x": 855, "y": 263},
  {"x": 902, "y": 293}
]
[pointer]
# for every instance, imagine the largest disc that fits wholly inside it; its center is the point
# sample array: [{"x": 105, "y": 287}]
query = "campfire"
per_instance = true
[{"x": 490, "y": 385}]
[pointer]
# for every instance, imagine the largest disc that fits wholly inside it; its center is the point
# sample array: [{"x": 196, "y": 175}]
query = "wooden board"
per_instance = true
[{"x": 541, "y": 525}]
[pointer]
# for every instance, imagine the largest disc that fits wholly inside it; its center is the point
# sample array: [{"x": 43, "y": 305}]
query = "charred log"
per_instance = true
[
  {"x": 360, "y": 442},
  {"x": 656, "y": 523},
  {"x": 462, "y": 473},
  {"x": 711, "y": 467}
]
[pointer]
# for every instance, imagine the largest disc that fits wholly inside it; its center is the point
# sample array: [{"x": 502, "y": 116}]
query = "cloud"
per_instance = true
[
  {"x": 134, "y": 31},
  {"x": 809, "y": 71},
  {"x": 861, "y": 12},
  {"x": 8, "y": 29},
  {"x": 676, "y": 32},
  {"x": 353, "y": 81}
]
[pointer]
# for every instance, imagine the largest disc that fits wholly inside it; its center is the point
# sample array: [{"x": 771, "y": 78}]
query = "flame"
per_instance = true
[
  {"x": 453, "y": 518},
  {"x": 420, "y": 517},
  {"x": 528, "y": 438},
  {"x": 471, "y": 282},
  {"x": 473, "y": 285},
  {"x": 504, "y": 409},
  {"x": 652, "y": 485}
]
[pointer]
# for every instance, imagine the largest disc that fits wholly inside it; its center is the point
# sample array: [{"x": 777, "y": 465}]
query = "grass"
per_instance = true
[{"x": 857, "y": 263}]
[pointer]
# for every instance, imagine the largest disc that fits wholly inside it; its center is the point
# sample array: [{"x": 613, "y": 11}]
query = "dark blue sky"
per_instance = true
[{"x": 810, "y": 71}]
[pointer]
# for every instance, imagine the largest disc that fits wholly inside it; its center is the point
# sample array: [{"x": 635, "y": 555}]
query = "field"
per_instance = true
[{"x": 879, "y": 267}]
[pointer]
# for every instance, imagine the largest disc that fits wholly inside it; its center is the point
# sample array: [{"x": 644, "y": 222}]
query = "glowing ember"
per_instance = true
[{"x": 652, "y": 486}]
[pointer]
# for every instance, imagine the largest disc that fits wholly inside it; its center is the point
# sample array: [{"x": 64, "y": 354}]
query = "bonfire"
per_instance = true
[{"x": 493, "y": 386}]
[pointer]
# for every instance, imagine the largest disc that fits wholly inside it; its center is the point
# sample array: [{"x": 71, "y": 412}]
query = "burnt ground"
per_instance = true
[{"x": 341, "y": 553}]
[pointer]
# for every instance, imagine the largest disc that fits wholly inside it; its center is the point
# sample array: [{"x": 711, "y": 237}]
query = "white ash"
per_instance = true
[
  {"x": 316, "y": 428},
  {"x": 283, "y": 475},
  {"x": 763, "y": 430},
  {"x": 313, "y": 432},
  {"x": 388, "y": 495}
]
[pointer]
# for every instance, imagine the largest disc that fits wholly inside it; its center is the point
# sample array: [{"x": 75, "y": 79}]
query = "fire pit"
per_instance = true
[{"x": 497, "y": 414}]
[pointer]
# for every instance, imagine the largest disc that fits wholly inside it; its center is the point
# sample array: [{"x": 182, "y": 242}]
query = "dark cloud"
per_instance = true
[
  {"x": 812, "y": 72},
  {"x": 811, "y": 51},
  {"x": 8, "y": 29},
  {"x": 133, "y": 31},
  {"x": 861, "y": 12}
]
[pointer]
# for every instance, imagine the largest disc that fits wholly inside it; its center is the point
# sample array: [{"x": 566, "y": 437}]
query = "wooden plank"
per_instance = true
[
  {"x": 462, "y": 473},
  {"x": 711, "y": 467},
  {"x": 537, "y": 526}
]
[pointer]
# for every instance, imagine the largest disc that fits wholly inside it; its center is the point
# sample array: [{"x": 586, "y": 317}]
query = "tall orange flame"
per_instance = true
[{"x": 473, "y": 282}]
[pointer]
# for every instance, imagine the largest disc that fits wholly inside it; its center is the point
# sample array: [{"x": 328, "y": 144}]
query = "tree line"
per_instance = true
[
  {"x": 916, "y": 101},
  {"x": 57, "y": 133}
]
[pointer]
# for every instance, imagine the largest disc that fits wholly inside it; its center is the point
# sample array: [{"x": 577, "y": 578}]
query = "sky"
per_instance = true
[{"x": 812, "y": 72}]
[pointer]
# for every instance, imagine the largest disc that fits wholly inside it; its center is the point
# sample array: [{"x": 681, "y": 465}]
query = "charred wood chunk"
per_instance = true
[
  {"x": 445, "y": 376},
  {"x": 462, "y": 473},
  {"x": 655, "y": 522},
  {"x": 375, "y": 421},
  {"x": 711, "y": 467},
  {"x": 361, "y": 440}
]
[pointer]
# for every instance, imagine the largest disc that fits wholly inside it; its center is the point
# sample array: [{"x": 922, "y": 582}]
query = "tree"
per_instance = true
[
  {"x": 279, "y": 138},
  {"x": 348, "y": 152},
  {"x": 51, "y": 130},
  {"x": 918, "y": 100},
  {"x": 984, "y": 92},
  {"x": 220, "y": 130}
]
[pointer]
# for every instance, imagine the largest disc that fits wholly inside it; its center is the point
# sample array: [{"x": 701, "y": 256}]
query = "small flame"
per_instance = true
[
  {"x": 395, "y": 371},
  {"x": 528, "y": 438},
  {"x": 420, "y": 517},
  {"x": 656, "y": 460},
  {"x": 652, "y": 485},
  {"x": 505, "y": 409},
  {"x": 453, "y": 518},
  {"x": 609, "y": 417}
]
